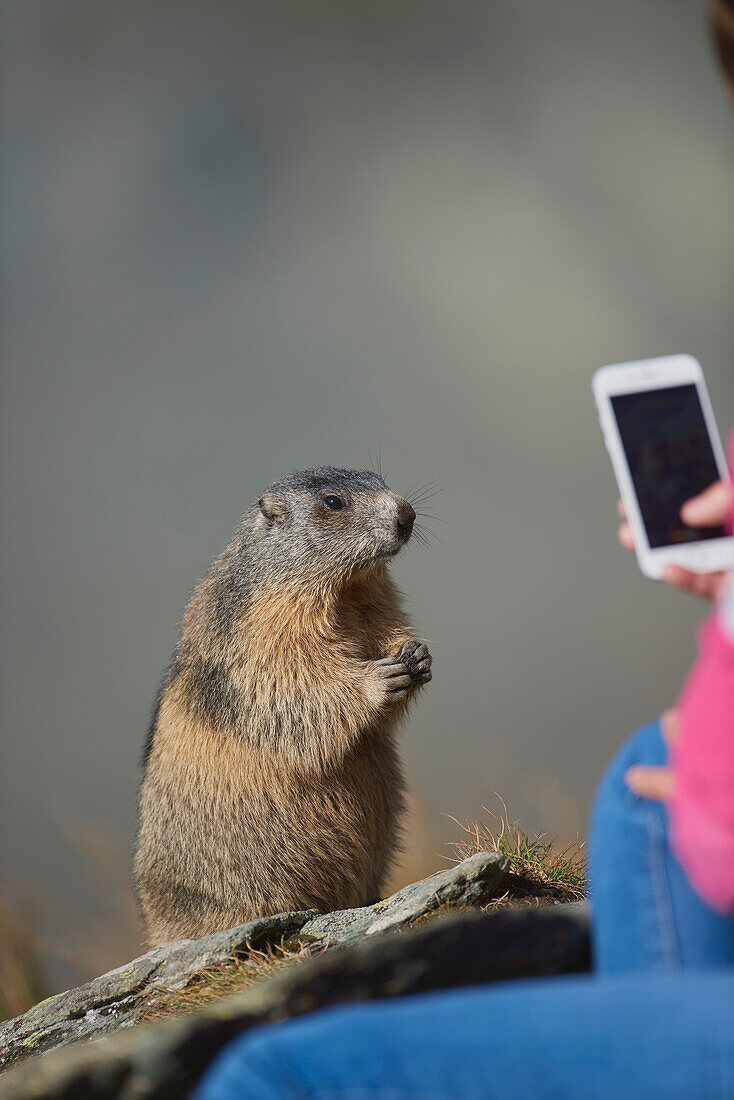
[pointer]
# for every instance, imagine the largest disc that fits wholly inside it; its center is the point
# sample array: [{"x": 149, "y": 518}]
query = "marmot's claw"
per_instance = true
[{"x": 417, "y": 660}]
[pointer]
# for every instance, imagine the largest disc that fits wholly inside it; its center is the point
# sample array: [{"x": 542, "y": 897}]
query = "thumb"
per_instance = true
[
  {"x": 710, "y": 507},
  {"x": 654, "y": 783}
]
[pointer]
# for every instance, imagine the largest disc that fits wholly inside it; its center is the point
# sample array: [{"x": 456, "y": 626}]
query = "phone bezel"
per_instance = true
[{"x": 636, "y": 377}]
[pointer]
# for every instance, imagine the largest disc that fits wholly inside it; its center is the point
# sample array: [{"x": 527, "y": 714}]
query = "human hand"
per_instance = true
[
  {"x": 709, "y": 509},
  {"x": 650, "y": 782}
]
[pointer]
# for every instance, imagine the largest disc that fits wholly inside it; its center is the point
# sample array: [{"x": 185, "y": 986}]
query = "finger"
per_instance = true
[
  {"x": 654, "y": 783},
  {"x": 624, "y": 534},
  {"x": 678, "y": 577},
  {"x": 710, "y": 507},
  {"x": 390, "y": 668},
  {"x": 398, "y": 684},
  {"x": 421, "y": 652},
  {"x": 425, "y": 664},
  {"x": 621, "y": 510},
  {"x": 705, "y": 585},
  {"x": 409, "y": 649},
  {"x": 669, "y": 725},
  {"x": 401, "y": 677}
]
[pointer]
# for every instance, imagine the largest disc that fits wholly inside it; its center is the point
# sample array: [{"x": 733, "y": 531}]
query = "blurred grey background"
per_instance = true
[{"x": 243, "y": 238}]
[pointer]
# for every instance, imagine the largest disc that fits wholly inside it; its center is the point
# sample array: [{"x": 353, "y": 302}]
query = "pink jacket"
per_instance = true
[{"x": 702, "y": 806}]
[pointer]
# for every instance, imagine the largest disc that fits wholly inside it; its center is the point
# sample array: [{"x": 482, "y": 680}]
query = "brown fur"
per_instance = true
[{"x": 272, "y": 781}]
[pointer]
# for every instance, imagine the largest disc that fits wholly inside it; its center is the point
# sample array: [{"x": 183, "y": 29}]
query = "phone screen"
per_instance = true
[{"x": 670, "y": 458}]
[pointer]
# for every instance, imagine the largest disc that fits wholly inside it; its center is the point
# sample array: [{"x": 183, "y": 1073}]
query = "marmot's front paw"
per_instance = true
[
  {"x": 416, "y": 658},
  {"x": 396, "y": 680}
]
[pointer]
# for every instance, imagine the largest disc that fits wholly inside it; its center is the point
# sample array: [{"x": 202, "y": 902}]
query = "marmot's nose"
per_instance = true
[{"x": 406, "y": 518}]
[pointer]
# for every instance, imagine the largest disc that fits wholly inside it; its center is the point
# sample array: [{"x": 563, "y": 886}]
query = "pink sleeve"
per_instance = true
[{"x": 702, "y": 807}]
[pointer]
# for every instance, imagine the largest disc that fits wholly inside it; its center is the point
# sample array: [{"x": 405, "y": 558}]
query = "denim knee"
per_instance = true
[
  {"x": 252, "y": 1066},
  {"x": 632, "y": 925}
]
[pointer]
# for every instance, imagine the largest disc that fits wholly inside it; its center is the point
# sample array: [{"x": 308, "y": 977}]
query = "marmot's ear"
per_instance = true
[{"x": 273, "y": 508}]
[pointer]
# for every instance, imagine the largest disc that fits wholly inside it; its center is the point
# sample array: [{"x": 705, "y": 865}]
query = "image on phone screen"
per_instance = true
[{"x": 670, "y": 458}]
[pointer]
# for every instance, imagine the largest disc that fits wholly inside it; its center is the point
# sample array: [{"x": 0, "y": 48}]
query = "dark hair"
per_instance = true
[{"x": 722, "y": 25}]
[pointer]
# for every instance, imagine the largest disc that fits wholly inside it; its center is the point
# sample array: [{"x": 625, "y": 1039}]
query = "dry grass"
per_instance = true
[
  {"x": 21, "y": 984},
  {"x": 45, "y": 948},
  {"x": 541, "y": 869},
  {"x": 219, "y": 981}
]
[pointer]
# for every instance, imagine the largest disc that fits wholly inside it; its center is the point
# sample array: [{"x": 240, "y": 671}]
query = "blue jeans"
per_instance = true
[
  {"x": 657, "y": 1020},
  {"x": 647, "y": 916}
]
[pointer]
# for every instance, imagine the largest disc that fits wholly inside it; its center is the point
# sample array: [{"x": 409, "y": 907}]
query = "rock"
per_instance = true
[
  {"x": 114, "y": 1001},
  {"x": 474, "y": 881},
  {"x": 163, "y": 1061},
  {"x": 186, "y": 958}
]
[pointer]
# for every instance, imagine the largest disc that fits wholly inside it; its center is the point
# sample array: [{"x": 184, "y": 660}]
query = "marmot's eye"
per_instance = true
[{"x": 333, "y": 503}]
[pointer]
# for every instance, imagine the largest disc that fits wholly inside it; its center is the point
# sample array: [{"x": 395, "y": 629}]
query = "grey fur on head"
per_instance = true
[{"x": 291, "y": 526}]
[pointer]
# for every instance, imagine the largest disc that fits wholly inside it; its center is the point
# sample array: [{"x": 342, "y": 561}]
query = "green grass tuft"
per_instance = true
[{"x": 540, "y": 868}]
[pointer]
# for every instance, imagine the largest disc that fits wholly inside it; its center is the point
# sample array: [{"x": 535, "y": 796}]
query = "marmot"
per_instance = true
[{"x": 271, "y": 778}]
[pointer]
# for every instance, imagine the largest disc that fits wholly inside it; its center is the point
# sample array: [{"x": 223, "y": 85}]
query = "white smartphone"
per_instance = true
[{"x": 660, "y": 431}]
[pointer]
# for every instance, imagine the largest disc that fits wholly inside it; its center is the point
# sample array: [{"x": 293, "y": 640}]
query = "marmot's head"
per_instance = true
[{"x": 328, "y": 522}]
